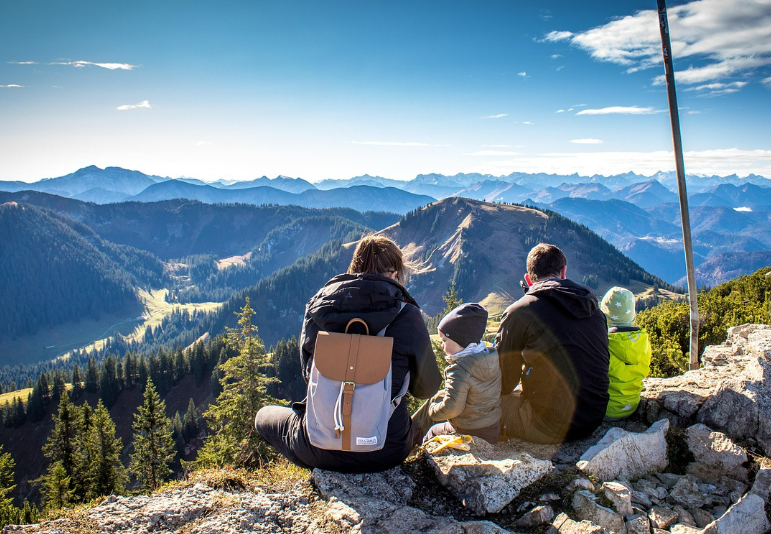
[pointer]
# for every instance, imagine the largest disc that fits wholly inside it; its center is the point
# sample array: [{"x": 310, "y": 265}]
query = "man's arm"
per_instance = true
[{"x": 510, "y": 341}]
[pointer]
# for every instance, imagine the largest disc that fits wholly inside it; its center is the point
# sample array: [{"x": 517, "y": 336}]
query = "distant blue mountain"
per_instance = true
[{"x": 360, "y": 198}]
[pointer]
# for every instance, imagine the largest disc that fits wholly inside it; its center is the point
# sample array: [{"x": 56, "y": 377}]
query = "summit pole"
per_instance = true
[{"x": 674, "y": 117}]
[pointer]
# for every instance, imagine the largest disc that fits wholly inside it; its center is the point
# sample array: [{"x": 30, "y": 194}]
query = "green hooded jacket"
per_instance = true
[{"x": 630, "y": 360}]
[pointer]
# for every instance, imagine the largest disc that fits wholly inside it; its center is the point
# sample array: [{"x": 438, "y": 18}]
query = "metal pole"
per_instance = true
[{"x": 674, "y": 117}]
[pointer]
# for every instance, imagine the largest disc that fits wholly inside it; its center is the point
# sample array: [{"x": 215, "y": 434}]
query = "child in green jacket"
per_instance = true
[{"x": 630, "y": 353}]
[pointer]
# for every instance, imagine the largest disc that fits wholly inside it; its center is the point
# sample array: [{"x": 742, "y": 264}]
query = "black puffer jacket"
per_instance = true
[
  {"x": 375, "y": 299},
  {"x": 555, "y": 340}
]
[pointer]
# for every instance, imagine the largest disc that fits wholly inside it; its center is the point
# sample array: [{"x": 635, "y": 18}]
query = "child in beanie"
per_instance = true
[
  {"x": 630, "y": 353},
  {"x": 470, "y": 402}
]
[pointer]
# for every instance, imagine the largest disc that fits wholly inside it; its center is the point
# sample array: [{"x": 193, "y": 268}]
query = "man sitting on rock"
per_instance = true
[{"x": 554, "y": 343}]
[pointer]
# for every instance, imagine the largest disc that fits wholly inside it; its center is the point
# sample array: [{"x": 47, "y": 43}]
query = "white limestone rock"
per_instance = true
[
  {"x": 661, "y": 517},
  {"x": 564, "y": 525},
  {"x": 716, "y": 454},
  {"x": 748, "y": 516},
  {"x": 620, "y": 496},
  {"x": 540, "y": 515},
  {"x": 483, "y": 483},
  {"x": 587, "y": 508},
  {"x": 627, "y": 454}
]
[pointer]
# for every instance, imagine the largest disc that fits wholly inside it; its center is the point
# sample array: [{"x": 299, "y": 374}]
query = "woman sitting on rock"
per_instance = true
[{"x": 371, "y": 290}]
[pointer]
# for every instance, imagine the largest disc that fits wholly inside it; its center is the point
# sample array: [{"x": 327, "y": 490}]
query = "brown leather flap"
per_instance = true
[{"x": 353, "y": 357}]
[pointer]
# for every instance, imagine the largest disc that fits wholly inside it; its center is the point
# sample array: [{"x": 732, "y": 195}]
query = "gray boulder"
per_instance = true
[
  {"x": 564, "y": 525},
  {"x": 587, "y": 508},
  {"x": 627, "y": 454},
  {"x": 482, "y": 480},
  {"x": 620, "y": 496},
  {"x": 748, "y": 516}
]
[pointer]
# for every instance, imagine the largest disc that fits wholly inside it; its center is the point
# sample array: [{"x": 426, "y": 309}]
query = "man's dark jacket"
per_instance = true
[
  {"x": 555, "y": 341},
  {"x": 377, "y": 300}
]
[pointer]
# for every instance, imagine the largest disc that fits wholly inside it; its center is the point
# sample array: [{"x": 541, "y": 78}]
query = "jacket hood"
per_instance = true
[
  {"x": 372, "y": 297},
  {"x": 577, "y": 299}
]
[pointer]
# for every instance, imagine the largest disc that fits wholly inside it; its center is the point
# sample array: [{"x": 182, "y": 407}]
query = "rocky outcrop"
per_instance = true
[
  {"x": 735, "y": 378},
  {"x": 680, "y": 467}
]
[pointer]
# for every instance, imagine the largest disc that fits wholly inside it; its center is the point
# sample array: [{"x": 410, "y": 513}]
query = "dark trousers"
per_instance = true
[{"x": 284, "y": 429}]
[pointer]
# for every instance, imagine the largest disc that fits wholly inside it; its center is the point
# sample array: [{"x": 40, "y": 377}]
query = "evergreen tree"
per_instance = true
[
  {"x": 451, "y": 299},
  {"x": 77, "y": 383},
  {"x": 190, "y": 421},
  {"x": 57, "y": 487},
  {"x": 60, "y": 450},
  {"x": 7, "y": 466},
  {"x": 153, "y": 444},
  {"x": 177, "y": 434},
  {"x": 106, "y": 474},
  {"x": 233, "y": 440},
  {"x": 83, "y": 456},
  {"x": 92, "y": 376},
  {"x": 108, "y": 381}
]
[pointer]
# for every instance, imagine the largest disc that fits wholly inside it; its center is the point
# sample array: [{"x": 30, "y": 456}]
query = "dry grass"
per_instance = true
[{"x": 276, "y": 476}]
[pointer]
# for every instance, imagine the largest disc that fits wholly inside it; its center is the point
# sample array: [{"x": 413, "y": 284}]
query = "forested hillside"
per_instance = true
[
  {"x": 179, "y": 228},
  {"x": 56, "y": 270},
  {"x": 746, "y": 299}
]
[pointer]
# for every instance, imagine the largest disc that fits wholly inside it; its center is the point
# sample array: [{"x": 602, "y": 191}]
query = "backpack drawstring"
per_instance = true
[{"x": 337, "y": 413}]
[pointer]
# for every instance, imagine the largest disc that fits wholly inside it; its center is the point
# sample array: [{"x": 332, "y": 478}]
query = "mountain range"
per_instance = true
[{"x": 638, "y": 214}]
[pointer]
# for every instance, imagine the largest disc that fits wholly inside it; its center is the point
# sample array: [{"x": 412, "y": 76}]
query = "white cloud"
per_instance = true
[
  {"x": 714, "y": 38},
  {"x": 22, "y": 62},
  {"x": 144, "y": 104},
  {"x": 497, "y": 146},
  {"x": 694, "y": 112},
  {"x": 560, "y": 111},
  {"x": 522, "y": 74},
  {"x": 556, "y": 56},
  {"x": 498, "y": 116},
  {"x": 492, "y": 153},
  {"x": 557, "y": 36},
  {"x": 743, "y": 208},
  {"x": 12, "y": 86},
  {"x": 392, "y": 143},
  {"x": 110, "y": 66},
  {"x": 620, "y": 110},
  {"x": 766, "y": 81},
  {"x": 717, "y": 88},
  {"x": 529, "y": 123},
  {"x": 587, "y": 141}
]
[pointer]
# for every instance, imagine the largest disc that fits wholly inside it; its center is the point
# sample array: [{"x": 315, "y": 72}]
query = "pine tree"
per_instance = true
[
  {"x": 190, "y": 421},
  {"x": 106, "y": 474},
  {"x": 233, "y": 440},
  {"x": 153, "y": 444},
  {"x": 92, "y": 376},
  {"x": 57, "y": 488},
  {"x": 7, "y": 466},
  {"x": 60, "y": 450},
  {"x": 451, "y": 299},
  {"x": 77, "y": 383},
  {"x": 81, "y": 481}
]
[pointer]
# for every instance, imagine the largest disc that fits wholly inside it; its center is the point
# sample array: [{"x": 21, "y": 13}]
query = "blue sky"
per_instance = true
[{"x": 334, "y": 89}]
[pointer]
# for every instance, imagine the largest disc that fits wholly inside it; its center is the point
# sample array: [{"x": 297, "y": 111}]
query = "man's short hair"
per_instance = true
[{"x": 545, "y": 261}]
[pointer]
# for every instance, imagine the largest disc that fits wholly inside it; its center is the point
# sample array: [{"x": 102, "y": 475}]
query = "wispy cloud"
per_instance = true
[
  {"x": 694, "y": 112},
  {"x": 743, "y": 208},
  {"x": 493, "y": 153},
  {"x": 498, "y": 116},
  {"x": 22, "y": 62},
  {"x": 523, "y": 74},
  {"x": 393, "y": 143},
  {"x": 12, "y": 86},
  {"x": 529, "y": 123},
  {"x": 587, "y": 141},
  {"x": 557, "y": 36},
  {"x": 717, "y": 88},
  {"x": 556, "y": 56},
  {"x": 766, "y": 81},
  {"x": 84, "y": 64},
  {"x": 620, "y": 110},
  {"x": 560, "y": 111},
  {"x": 144, "y": 104},
  {"x": 497, "y": 146},
  {"x": 719, "y": 38}
]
